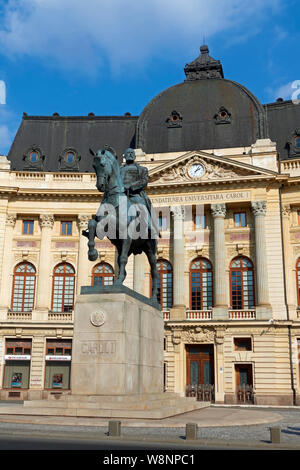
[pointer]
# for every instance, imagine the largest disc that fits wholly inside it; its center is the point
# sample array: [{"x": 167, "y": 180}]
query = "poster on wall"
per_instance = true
[
  {"x": 16, "y": 380},
  {"x": 57, "y": 381}
]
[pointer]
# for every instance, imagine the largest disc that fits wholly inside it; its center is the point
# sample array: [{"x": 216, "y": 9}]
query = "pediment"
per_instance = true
[{"x": 201, "y": 167}]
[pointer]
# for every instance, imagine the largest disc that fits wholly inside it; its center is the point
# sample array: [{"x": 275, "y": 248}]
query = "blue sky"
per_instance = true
[{"x": 112, "y": 56}]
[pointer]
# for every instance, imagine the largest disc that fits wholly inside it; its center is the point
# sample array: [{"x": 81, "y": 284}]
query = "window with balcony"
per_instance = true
[
  {"x": 23, "y": 288},
  {"x": 242, "y": 284},
  {"x": 201, "y": 285},
  {"x": 164, "y": 284},
  {"x": 63, "y": 288},
  {"x": 103, "y": 275}
]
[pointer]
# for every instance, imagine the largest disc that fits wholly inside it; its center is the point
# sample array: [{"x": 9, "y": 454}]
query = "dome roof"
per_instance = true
[{"x": 206, "y": 111}]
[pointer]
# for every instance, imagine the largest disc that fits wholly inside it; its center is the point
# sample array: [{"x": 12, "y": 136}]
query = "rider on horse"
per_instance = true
[{"x": 135, "y": 179}]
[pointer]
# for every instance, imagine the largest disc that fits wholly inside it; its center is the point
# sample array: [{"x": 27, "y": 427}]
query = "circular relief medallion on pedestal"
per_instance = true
[{"x": 97, "y": 318}]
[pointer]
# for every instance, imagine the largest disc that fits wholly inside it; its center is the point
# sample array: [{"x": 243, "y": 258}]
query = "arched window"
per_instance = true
[
  {"x": 63, "y": 288},
  {"x": 165, "y": 284},
  {"x": 103, "y": 275},
  {"x": 242, "y": 283},
  {"x": 201, "y": 285},
  {"x": 23, "y": 288}
]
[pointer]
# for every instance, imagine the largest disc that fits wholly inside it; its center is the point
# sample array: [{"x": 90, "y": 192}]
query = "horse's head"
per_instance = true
[{"x": 103, "y": 166}]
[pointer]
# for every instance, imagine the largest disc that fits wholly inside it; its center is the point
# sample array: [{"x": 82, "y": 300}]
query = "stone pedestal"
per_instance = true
[{"x": 118, "y": 343}]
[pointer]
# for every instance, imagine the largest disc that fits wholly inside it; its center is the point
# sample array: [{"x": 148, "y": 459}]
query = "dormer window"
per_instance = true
[
  {"x": 223, "y": 116},
  {"x": 69, "y": 160},
  {"x": 34, "y": 156},
  {"x": 293, "y": 144},
  {"x": 174, "y": 119},
  {"x": 70, "y": 157},
  {"x": 33, "y": 159}
]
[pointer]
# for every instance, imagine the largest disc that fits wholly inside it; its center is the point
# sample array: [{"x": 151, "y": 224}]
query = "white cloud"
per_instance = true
[
  {"x": 285, "y": 91},
  {"x": 76, "y": 34},
  {"x": 6, "y": 137}
]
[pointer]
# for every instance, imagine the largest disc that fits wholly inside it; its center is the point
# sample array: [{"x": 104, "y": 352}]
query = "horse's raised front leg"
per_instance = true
[
  {"x": 152, "y": 261},
  {"x": 122, "y": 260},
  {"x": 90, "y": 234}
]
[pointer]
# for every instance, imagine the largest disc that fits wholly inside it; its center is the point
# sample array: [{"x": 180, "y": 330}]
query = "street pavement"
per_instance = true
[{"x": 220, "y": 427}]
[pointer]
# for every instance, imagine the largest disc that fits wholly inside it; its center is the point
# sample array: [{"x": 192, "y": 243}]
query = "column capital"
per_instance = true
[
  {"x": 46, "y": 220},
  {"x": 177, "y": 212},
  {"x": 286, "y": 210},
  {"x": 259, "y": 208},
  {"x": 11, "y": 220},
  {"x": 83, "y": 220},
  {"x": 218, "y": 210}
]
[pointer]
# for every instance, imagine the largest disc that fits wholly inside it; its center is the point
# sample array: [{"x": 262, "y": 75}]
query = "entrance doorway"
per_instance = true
[
  {"x": 244, "y": 383},
  {"x": 200, "y": 371}
]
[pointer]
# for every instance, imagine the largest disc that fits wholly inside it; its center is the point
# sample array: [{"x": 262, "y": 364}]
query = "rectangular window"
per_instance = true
[
  {"x": 242, "y": 344},
  {"x": 66, "y": 228},
  {"x": 298, "y": 212},
  {"x": 199, "y": 220},
  {"x": 162, "y": 222},
  {"x": 58, "y": 348},
  {"x": 240, "y": 219},
  {"x": 27, "y": 227}
]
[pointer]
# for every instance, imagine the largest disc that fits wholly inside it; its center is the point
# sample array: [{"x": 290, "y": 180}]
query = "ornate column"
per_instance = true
[
  {"x": 83, "y": 262},
  {"x": 177, "y": 312},
  {"x": 220, "y": 310},
  {"x": 263, "y": 309},
  {"x": 290, "y": 281},
  {"x": 6, "y": 279},
  {"x": 139, "y": 274},
  {"x": 44, "y": 274}
]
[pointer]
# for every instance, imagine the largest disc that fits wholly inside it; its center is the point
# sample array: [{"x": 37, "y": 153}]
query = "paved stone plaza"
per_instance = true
[{"x": 226, "y": 425}]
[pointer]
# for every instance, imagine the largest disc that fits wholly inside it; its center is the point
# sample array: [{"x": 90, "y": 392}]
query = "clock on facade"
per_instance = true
[{"x": 196, "y": 170}]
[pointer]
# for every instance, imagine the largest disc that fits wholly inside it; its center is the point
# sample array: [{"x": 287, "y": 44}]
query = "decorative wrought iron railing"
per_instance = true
[
  {"x": 245, "y": 394},
  {"x": 202, "y": 392}
]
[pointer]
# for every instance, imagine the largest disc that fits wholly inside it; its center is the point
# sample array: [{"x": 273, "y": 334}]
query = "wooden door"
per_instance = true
[
  {"x": 200, "y": 364},
  {"x": 243, "y": 375}
]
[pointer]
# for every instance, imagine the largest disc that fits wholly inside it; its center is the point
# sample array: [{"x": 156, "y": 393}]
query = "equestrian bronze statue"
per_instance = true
[{"x": 125, "y": 214}]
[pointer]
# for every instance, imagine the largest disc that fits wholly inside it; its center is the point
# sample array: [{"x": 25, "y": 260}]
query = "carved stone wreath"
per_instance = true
[{"x": 97, "y": 318}]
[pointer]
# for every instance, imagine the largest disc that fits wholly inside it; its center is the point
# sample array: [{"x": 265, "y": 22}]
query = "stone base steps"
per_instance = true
[
  {"x": 165, "y": 405},
  {"x": 117, "y": 403}
]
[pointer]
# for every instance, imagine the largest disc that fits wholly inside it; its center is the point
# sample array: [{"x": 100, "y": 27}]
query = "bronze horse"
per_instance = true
[{"x": 111, "y": 211}]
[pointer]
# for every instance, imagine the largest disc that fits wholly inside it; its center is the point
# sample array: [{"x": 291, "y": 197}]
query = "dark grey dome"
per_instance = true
[{"x": 205, "y": 111}]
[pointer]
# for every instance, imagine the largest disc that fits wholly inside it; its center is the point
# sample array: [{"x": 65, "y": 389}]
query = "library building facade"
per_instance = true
[{"x": 224, "y": 178}]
